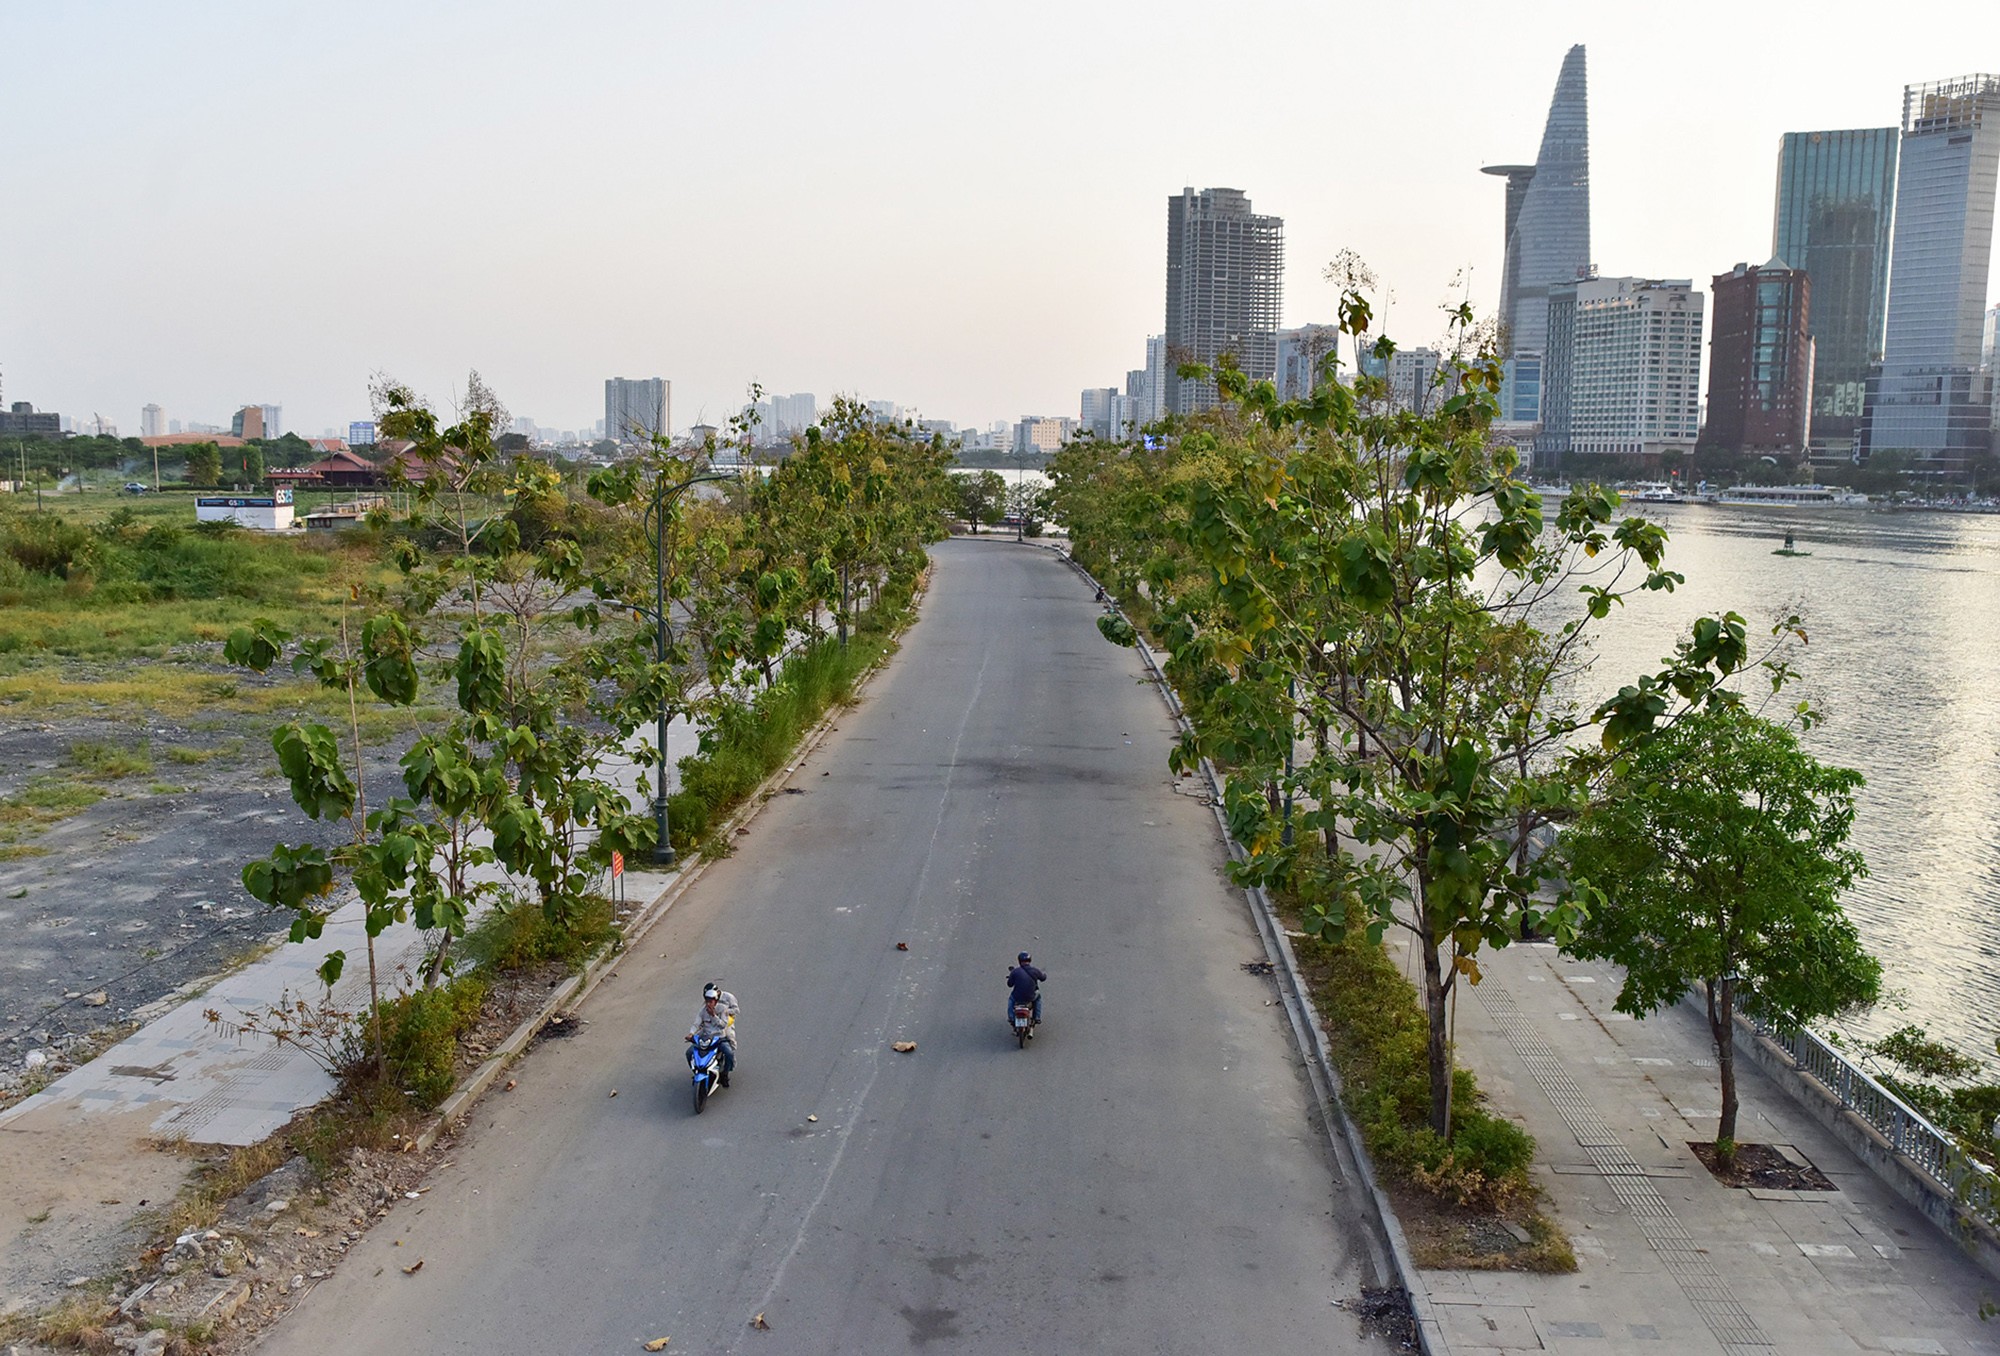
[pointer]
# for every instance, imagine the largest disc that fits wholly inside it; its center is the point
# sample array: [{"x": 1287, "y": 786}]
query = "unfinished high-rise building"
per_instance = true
[{"x": 1225, "y": 281}]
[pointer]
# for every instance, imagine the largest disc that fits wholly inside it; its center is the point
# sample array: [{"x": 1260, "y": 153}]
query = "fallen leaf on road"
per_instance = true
[
  {"x": 614, "y": 1092},
  {"x": 902, "y": 946},
  {"x": 903, "y": 1047},
  {"x": 812, "y": 1118},
  {"x": 658, "y": 1344},
  {"x": 759, "y": 1324},
  {"x": 511, "y": 1084},
  {"x": 414, "y": 1267}
]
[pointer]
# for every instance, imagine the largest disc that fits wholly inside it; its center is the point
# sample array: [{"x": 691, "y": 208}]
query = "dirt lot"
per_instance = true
[{"x": 138, "y": 896}]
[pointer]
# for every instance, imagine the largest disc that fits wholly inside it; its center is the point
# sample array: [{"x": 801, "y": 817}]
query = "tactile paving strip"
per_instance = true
[{"x": 1687, "y": 1264}]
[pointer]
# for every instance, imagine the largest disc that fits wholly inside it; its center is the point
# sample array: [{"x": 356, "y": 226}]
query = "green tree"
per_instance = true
[
  {"x": 204, "y": 464},
  {"x": 1719, "y": 856},
  {"x": 980, "y": 496},
  {"x": 253, "y": 466},
  {"x": 1344, "y": 569}
]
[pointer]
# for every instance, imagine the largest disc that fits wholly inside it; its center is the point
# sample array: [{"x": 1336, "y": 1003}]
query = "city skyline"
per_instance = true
[{"x": 879, "y": 264}]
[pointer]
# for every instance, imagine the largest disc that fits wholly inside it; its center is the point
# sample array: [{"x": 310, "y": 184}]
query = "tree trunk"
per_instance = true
[
  {"x": 1722, "y": 1024},
  {"x": 1439, "y": 1048}
]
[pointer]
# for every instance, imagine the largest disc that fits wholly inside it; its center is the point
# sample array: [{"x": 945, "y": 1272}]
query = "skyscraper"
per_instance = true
[
  {"x": 1225, "y": 275},
  {"x": 1548, "y": 235},
  {"x": 1836, "y": 198},
  {"x": 1636, "y": 367},
  {"x": 1931, "y": 399},
  {"x": 636, "y": 410},
  {"x": 152, "y": 421},
  {"x": 1760, "y": 361}
]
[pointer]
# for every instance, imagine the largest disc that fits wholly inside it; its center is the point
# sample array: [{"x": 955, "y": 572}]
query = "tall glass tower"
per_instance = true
[
  {"x": 1836, "y": 195},
  {"x": 1931, "y": 399},
  {"x": 1548, "y": 235}
]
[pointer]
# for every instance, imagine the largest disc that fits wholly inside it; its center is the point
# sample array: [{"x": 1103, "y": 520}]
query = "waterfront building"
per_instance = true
[
  {"x": 1301, "y": 358},
  {"x": 1042, "y": 433},
  {"x": 1225, "y": 278},
  {"x": 1550, "y": 440},
  {"x": 1547, "y": 231},
  {"x": 1930, "y": 399},
  {"x": 1413, "y": 379},
  {"x": 1101, "y": 411},
  {"x": 1760, "y": 361},
  {"x": 1634, "y": 375},
  {"x": 1835, "y": 202},
  {"x": 637, "y": 410},
  {"x": 152, "y": 421}
]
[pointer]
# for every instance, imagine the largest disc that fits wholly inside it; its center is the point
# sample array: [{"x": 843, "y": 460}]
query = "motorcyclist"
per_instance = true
[
  {"x": 717, "y": 1018},
  {"x": 1024, "y": 983}
]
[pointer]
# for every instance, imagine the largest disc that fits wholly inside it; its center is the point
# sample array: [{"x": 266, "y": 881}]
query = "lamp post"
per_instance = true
[{"x": 664, "y": 495}]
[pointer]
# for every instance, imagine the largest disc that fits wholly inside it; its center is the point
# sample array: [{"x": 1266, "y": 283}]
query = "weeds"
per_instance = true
[
  {"x": 517, "y": 935},
  {"x": 108, "y": 762}
]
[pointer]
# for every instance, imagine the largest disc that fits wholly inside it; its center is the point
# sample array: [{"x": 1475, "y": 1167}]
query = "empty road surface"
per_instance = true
[{"x": 1145, "y": 1177}]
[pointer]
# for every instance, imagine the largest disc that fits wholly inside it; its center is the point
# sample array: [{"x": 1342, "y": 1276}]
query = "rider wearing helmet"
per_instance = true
[
  {"x": 1025, "y": 982},
  {"x": 717, "y": 1018}
]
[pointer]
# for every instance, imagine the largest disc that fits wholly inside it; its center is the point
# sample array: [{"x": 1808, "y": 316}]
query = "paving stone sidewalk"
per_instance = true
[{"x": 1671, "y": 1260}]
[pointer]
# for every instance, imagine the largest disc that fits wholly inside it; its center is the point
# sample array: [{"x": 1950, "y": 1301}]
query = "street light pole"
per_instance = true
[{"x": 664, "y": 496}]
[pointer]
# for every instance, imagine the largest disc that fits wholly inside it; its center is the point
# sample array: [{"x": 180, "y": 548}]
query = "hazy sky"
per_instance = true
[{"x": 959, "y": 207}]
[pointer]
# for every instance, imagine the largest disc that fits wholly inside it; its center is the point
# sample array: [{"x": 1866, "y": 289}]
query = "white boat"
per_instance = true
[
  {"x": 1656, "y": 494},
  {"x": 1791, "y": 496}
]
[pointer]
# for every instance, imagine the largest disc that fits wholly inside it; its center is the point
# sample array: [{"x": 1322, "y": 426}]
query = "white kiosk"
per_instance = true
[{"x": 265, "y": 512}]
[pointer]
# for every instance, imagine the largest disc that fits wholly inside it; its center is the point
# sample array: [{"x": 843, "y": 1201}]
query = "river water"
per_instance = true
[{"x": 1900, "y": 610}]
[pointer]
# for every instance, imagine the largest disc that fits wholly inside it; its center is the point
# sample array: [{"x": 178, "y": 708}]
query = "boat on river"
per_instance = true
[{"x": 1790, "y": 496}]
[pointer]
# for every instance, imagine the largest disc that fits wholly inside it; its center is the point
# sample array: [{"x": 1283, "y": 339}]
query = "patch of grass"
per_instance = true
[
  {"x": 192, "y": 757},
  {"x": 45, "y": 801},
  {"x": 14, "y": 852},
  {"x": 80, "y": 1322},
  {"x": 201, "y": 1201},
  {"x": 520, "y": 936},
  {"x": 165, "y": 789},
  {"x": 109, "y": 762}
]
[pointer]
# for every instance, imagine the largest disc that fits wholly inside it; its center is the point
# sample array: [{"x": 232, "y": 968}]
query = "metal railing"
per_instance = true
[{"x": 1966, "y": 1180}]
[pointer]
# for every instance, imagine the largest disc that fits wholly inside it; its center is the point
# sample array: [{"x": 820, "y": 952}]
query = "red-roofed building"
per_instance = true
[{"x": 345, "y": 468}]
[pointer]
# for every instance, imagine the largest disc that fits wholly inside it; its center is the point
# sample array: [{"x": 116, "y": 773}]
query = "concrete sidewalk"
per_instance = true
[{"x": 1671, "y": 1260}]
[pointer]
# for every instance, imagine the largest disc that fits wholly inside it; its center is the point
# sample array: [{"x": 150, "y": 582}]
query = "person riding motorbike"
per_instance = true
[
  {"x": 1024, "y": 984},
  {"x": 716, "y": 1019}
]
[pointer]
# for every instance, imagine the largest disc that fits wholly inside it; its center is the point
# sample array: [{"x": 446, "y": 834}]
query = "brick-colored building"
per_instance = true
[{"x": 1760, "y": 362}]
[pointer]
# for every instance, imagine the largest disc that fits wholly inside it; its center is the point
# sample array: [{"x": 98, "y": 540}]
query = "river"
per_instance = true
[{"x": 1899, "y": 609}]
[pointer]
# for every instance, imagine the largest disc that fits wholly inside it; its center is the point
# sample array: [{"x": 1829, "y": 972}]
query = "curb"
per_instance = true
[
  {"x": 1343, "y": 1137},
  {"x": 578, "y": 987}
]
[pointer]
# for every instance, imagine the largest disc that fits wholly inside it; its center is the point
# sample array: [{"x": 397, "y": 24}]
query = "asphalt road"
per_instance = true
[{"x": 1144, "y": 1177}]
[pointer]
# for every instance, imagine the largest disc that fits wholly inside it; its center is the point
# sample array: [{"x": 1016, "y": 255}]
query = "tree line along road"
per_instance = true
[{"x": 1146, "y": 1176}]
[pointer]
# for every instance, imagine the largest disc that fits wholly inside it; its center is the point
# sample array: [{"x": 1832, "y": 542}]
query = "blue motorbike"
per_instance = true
[{"x": 705, "y": 1062}]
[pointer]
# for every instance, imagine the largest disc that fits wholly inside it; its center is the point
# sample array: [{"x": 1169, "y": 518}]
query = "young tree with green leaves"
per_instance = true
[{"x": 1718, "y": 856}]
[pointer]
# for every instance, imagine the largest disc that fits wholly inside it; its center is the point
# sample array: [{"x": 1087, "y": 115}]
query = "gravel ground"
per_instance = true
[{"x": 139, "y": 896}]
